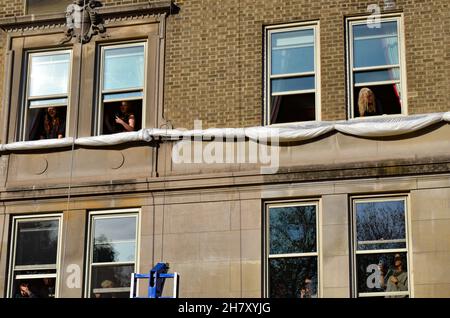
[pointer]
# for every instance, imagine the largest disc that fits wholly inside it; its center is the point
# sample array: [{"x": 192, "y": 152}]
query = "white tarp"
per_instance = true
[
  {"x": 38, "y": 144},
  {"x": 387, "y": 125},
  {"x": 383, "y": 126}
]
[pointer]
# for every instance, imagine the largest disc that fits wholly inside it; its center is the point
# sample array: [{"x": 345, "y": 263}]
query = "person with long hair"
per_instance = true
[
  {"x": 54, "y": 125},
  {"x": 366, "y": 102}
]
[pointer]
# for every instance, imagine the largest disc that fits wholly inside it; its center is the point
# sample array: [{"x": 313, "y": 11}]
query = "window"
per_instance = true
[
  {"x": 292, "y": 68},
  {"x": 291, "y": 247},
  {"x": 46, "y": 6},
  {"x": 112, "y": 253},
  {"x": 122, "y": 88},
  {"x": 377, "y": 83},
  {"x": 380, "y": 247},
  {"x": 34, "y": 257},
  {"x": 47, "y": 90}
]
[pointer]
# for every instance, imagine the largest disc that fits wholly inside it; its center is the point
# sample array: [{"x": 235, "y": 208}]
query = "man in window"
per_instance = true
[{"x": 397, "y": 278}]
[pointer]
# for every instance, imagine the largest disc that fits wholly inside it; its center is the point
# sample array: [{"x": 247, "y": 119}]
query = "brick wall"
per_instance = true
[{"x": 214, "y": 55}]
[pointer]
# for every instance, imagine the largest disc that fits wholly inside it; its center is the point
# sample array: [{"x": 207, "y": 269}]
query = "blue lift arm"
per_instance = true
[{"x": 156, "y": 280}]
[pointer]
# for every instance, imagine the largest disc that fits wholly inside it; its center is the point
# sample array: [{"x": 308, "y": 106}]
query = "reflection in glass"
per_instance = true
[
  {"x": 382, "y": 273},
  {"x": 49, "y": 74},
  {"x": 114, "y": 239},
  {"x": 380, "y": 225},
  {"x": 37, "y": 242},
  {"x": 293, "y": 52},
  {"x": 122, "y": 96},
  {"x": 293, "y": 277},
  {"x": 293, "y": 84},
  {"x": 375, "y": 46},
  {"x": 292, "y": 229},
  {"x": 123, "y": 68},
  {"x": 377, "y": 76},
  {"x": 106, "y": 277}
]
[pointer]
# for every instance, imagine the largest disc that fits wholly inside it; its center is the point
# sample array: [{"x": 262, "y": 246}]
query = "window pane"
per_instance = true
[
  {"x": 293, "y": 277},
  {"x": 136, "y": 95},
  {"x": 380, "y": 225},
  {"x": 375, "y": 46},
  {"x": 46, "y": 123},
  {"x": 293, "y": 52},
  {"x": 49, "y": 74},
  {"x": 382, "y": 273},
  {"x": 106, "y": 280},
  {"x": 124, "y": 67},
  {"x": 37, "y": 287},
  {"x": 114, "y": 239},
  {"x": 377, "y": 76},
  {"x": 387, "y": 100},
  {"x": 293, "y": 108},
  {"x": 292, "y": 229},
  {"x": 293, "y": 84},
  {"x": 46, "y": 6},
  {"x": 48, "y": 102},
  {"x": 37, "y": 242}
]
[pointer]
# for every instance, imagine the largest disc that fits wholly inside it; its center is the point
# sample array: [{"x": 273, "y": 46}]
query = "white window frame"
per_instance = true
[
  {"x": 27, "y": 99},
  {"x": 406, "y": 250},
  {"x": 101, "y": 91},
  {"x": 268, "y": 256},
  {"x": 350, "y": 22},
  {"x": 269, "y": 30},
  {"x": 13, "y": 244},
  {"x": 110, "y": 214}
]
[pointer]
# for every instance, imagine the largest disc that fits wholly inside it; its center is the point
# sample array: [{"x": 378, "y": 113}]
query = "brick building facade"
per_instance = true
[{"x": 208, "y": 60}]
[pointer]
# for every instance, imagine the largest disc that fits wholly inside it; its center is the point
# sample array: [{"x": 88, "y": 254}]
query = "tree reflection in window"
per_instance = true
[
  {"x": 380, "y": 225},
  {"x": 293, "y": 229},
  {"x": 292, "y": 264}
]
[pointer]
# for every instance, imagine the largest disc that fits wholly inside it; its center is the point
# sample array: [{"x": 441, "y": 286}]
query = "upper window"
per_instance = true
[
  {"x": 112, "y": 254},
  {"x": 46, "y": 6},
  {"x": 292, "y": 80},
  {"x": 380, "y": 247},
  {"x": 47, "y": 90},
  {"x": 377, "y": 85},
  {"x": 34, "y": 257},
  {"x": 291, "y": 248},
  {"x": 122, "y": 88}
]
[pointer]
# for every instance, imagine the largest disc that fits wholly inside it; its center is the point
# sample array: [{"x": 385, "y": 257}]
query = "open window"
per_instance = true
[
  {"x": 47, "y": 95},
  {"x": 34, "y": 257},
  {"x": 377, "y": 84},
  {"x": 112, "y": 253},
  {"x": 291, "y": 249},
  {"x": 122, "y": 83},
  {"x": 292, "y": 73}
]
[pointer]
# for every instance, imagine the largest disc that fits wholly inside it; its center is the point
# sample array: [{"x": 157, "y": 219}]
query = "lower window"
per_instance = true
[
  {"x": 112, "y": 253},
  {"x": 291, "y": 249},
  {"x": 34, "y": 257},
  {"x": 380, "y": 247}
]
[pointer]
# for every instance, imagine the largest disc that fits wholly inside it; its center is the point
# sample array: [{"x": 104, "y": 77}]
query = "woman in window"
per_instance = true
[
  {"x": 54, "y": 125},
  {"x": 125, "y": 120},
  {"x": 366, "y": 103}
]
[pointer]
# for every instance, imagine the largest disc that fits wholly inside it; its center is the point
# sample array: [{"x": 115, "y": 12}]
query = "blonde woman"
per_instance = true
[{"x": 366, "y": 102}]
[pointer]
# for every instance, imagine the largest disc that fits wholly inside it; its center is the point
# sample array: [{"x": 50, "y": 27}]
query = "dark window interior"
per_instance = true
[
  {"x": 111, "y": 109},
  {"x": 37, "y": 129},
  {"x": 387, "y": 99},
  {"x": 293, "y": 108}
]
